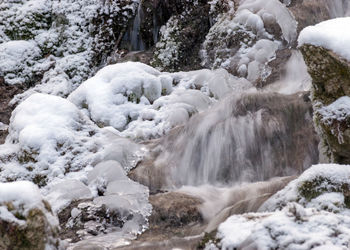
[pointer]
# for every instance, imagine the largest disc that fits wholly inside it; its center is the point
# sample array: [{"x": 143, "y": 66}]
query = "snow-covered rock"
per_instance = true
[
  {"x": 115, "y": 203},
  {"x": 326, "y": 49},
  {"x": 317, "y": 187},
  {"x": 141, "y": 102},
  {"x": 26, "y": 220},
  {"x": 65, "y": 40},
  {"x": 330, "y": 35},
  {"x": 311, "y": 212},
  {"x": 294, "y": 227},
  {"x": 48, "y": 137},
  {"x": 249, "y": 38}
]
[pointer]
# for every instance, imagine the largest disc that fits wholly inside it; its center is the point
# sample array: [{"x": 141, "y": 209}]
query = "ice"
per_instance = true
[
  {"x": 63, "y": 193},
  {"x": 330, "y": 35},
  {"x": 108, "y": 171}
]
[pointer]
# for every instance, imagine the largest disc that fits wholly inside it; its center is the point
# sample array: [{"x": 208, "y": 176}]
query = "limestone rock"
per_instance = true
[{"x": 331, "y": 80}]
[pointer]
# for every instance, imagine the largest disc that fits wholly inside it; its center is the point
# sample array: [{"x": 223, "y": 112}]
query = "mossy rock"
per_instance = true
[
  {"x": 34, "y": 235},
  {"x": 311, "y": 189},
  {"x": 330, "y": 73}
]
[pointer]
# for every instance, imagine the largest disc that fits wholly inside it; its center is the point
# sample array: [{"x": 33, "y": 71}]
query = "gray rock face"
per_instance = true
[{"x": 331, "y": 80}]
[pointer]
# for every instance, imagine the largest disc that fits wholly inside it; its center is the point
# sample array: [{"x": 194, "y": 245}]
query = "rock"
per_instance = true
[
  {"x": 309, "y": 12},
  {"x": 26, "y": 220},
  {"x": 174, "y": 210},
  {"x": 182, "y": 36},
  {"x": 7, "y": 92},
  {"x": 330, "y": 81},
  {"x": 83, "y": 218},
  {"x": 175, "y": 223}
]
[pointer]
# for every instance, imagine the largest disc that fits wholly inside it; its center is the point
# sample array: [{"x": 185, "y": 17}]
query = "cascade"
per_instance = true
[
  {"x": 133, "y": 36},
  {"x": 250, "y": 138}
]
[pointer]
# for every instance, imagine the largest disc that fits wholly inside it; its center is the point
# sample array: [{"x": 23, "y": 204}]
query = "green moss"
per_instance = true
[
  {"x": 40, "y": 180},
  {"x": 208, "y": 238},
  {"x": 27, "y": 156},
  {"x": 133, "y": 98},
  {"x": 320, "y": 185}
]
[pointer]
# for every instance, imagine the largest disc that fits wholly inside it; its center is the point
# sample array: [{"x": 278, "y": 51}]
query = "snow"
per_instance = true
[
  {"x": 292, "y": 220},
  {"x": 294, "y": 227},
  {"x": 15, "y": 56},
  {"x": 143, "y": 103},
  {"x": 327, "y": 178},
  {"x": 48, "y": 137},
  {"x": 338, "y": 110},
  {"x": 62, "y": 38},
  {"x": 24, "y": 196},
  {"x": 330, "y": 35}
]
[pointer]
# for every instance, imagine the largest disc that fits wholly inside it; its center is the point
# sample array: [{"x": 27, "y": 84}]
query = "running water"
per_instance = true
[
  {"x": 250, "y": 138},
  {"x": 136, "y": 41}
]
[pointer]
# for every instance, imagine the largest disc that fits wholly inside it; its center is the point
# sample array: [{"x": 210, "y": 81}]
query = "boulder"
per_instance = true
[
  {"x": 26, "y": 220},
  {"x": 330, "y": 80}
]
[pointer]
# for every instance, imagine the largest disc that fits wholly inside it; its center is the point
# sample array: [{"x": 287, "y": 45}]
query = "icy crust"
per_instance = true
[
  {"x": 294, "y": 227},
  {"x": 109, "y": 202},
  {"x": 330, "y": 35},
  {"x": 249, "y": 38},
  {"x": 63, "y": 36},
  {"x": 143, "y": 103},
  {"x": 311, "y": 212}
]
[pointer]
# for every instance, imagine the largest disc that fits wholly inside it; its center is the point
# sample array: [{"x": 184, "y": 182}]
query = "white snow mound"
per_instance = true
[{"x": 332, "y": 34}]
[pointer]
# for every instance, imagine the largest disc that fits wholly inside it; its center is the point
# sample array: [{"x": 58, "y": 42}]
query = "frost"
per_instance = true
[
  {"x": 338, "y": 110},
  {"x": 65, "y": 37}
]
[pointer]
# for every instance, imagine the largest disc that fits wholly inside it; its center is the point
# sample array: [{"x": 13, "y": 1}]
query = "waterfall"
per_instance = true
[
  {"x": 136, "y": 41},
  {"x": 338, "y": 8},
  {"x": 247, "y": 137}
]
